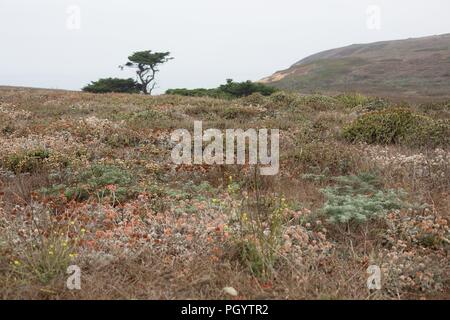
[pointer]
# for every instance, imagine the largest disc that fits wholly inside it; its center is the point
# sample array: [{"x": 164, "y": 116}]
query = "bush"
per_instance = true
[
  {"x": 430, "y": 133},
  {"x": 230, "y": 90},
  {"x": 46, "y": 260},
  {"x": 254, "y": 99},
  {"x": 27, "y": 161},
  {"x": 435, "y": 106},
  {"x": 398, "y": 125},
  {"x": 284, "y": 99},
  {"x": 353, "y": 100},
  {"x": 376, "y": 104},
  {"x": 256, "y": 227},
  {"x": 325, "y": 157},
  {"x": 200, "y": 92},
  {"x": 113, "y": 85},
  {"x": 102, "y": 180},
  {"x": 243, "y": 89},
  {"x": 358, "y": 198},
  {"x": 319, "y": 102},
  {"x": 235, "y": 112},
  {"x": 146, "y": 119}
]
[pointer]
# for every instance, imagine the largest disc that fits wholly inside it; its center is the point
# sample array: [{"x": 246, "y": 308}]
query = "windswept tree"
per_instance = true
[{"x": 146, "y": 64}]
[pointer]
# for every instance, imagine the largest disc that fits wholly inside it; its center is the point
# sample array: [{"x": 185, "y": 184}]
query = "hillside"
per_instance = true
[
  {"x": 88, "y": 180},
  {"x": 416, "y": 68}
]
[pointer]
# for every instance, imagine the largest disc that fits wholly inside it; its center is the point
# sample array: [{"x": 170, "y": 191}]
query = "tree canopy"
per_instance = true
[
  {"x": 113, "y": 85},
  {"x": 146, "y": 64},
  {"x": 228, "y": 90}
]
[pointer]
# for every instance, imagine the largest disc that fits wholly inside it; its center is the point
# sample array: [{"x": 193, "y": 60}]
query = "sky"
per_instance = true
[{"x": 66, "y": 44}]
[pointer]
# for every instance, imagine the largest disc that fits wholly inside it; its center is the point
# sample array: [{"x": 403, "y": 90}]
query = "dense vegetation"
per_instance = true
[
  {"x": 113, "y": 85},
  {"x": 399, "y": 125},
  {"x": 145, "y": 63},
  {"x": 229, "y": 90}
]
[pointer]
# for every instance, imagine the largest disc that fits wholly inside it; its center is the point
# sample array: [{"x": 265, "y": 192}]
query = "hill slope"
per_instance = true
[{"x": 418, "y": 67}]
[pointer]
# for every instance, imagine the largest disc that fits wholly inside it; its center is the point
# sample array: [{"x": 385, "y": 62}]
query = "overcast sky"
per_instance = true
[{"x": 45, "y": 43}]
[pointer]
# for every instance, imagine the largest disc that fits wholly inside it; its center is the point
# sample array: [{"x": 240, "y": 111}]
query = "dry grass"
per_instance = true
[{"x": 142, "y": 228}]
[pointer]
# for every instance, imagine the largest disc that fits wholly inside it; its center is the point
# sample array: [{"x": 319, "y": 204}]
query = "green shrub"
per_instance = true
[
  {"x": 45, "y": 260},
  {"x": 376, "y": 104},
  {"x": 325, "y": 157},
  {"x": 256, "y": 227},
  {"x": 284, "y": 99},
  {"x": 97, "y": 178},
  {"x": 254, "y": 99},
  {"x": 435, "y": 106},
  {"x": 199, "y": 92},
  {"x": 27, "y": 161},
  {"x": 259, "y": 236},
  {"x": 148, "y": 118},
  {"x": 242, "y": 89},
  {"x": 235, "y": 112},
  {"x": 228, "y": 90},
  {"x": 113, "y": 85},
  {"x": 319, "y": 102},
  {"x": 398, "y": 125},
  {"x": 430, "y": 133},
  {"x": 147, "y": 115},
  {"x": 353, "y": 100},
  {"x": 359, "y": 198},
  {"x": 125, "y": 138}
]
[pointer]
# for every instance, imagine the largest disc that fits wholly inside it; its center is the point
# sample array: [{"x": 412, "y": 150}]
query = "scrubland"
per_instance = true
[{"x": 87, "y": 179}]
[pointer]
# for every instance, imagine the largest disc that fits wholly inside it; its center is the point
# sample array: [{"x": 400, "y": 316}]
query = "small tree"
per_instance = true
[{"x": 146, "y": 64}]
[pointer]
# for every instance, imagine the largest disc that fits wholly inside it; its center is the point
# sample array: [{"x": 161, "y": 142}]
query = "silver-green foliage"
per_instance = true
[{"x": 359, "y": 198}]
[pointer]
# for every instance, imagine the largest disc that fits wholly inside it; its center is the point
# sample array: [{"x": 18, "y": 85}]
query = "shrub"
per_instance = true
[
  {"x": 123, "y": 138},
  {"x": 255, "y": 98},
  {"x": 102, "y": 180},
  {"x": 325, "y": 157},
  {"x": 358, "y": 198},
  {"x": 229, "y": 90},
  {"x": 430, "y": 133},
  {"x": 46, "y": 260},
  {"x": 146, "y": 119},
  {"x": 257, "y": 233},
  {"x": 46, "y": 245},
  {"x": 353, "y": 100},
  {"x": 284, "y": 99},
  {"x": 235, "y": 112},
  {"x": 319, "y": 102},
  {"x": 199, "y": 92},
  {"x": 435, "y": 106},
  {"x": 398, "y": 125},
  {"x": 27, "y": 161},
  {"x": 242, "y": 89},
  {"x": 376, "y": 104},
  {"x": 113, "y": 85},
  {"x": 259, "y": 236}
]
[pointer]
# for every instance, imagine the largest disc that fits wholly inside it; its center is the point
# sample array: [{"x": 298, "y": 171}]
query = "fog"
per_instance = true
[{"x": 66, "y": 44}]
